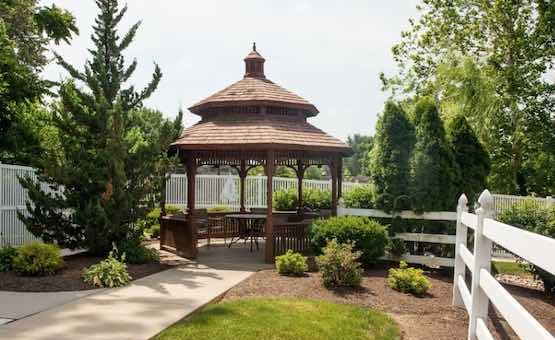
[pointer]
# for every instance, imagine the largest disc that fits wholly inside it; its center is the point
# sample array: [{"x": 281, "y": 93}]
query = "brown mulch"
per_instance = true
[
  {"x": 429, "y": 317},
  {"x": 69, "y": 278}
]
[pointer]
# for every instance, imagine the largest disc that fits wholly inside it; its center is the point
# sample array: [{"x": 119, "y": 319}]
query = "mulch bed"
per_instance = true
[
  {"x": 70, "y": 277},
  {"x": 429, "y": 317}
]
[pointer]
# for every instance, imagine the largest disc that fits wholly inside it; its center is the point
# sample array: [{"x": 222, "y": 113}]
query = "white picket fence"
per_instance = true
[
  {"x": 214, "y": 190},
  {"x": 211, "y": 190},
  {"x": 534, "y": 248}
]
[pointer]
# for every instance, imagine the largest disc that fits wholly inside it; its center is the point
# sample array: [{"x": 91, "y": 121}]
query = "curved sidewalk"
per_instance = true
[{"x": 136, "y": 312}]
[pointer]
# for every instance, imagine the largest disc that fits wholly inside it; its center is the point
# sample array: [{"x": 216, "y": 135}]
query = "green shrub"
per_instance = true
[
  {"x": 110, "y": 272},
  {"x": 135, "y": 251},
  {"x": 396, "y": 247},
  {"x": 316, "y": 199},
  {"x": 537, "y": 219},
  {"x": 339, "y": 265},
  {"x": 286, "y": 200},
  {"x": 362, "y": 197},
  {"x": 7, "y": 255},
  {"x": 368, "y": 236},
  {"x": 37, "y": 259},
  {"x": 218, "y": 209},
  {"x": 408, "y": 280},
  {"x": 291, "y": 264}
]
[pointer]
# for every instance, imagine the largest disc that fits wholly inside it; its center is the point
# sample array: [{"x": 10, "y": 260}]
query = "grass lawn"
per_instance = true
[
  {"x": 510, "y": 268},
  {"x": 284, "y": 319}
]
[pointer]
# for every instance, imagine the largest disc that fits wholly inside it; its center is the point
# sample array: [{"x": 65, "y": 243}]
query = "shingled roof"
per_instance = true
[
  {"x": 251, "y": 90},
  {"x": 255, "y": 113},
  {"x": 251, "y": 133}
]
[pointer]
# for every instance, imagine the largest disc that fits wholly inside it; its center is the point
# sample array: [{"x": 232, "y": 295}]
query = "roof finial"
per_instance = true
[{"x": 254, "y": 46}]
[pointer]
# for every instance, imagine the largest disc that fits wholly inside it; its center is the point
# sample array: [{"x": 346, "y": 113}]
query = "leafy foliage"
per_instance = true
[
  {"x": 291, "y": 263},
  {"x": 134, "y": 249},
  {"x": 537, "y": 219},
  {"x": 390, "y": 156},
  {"x": 396, "y": 247},
  {"x": 151, "y": 223},
  {"x": 115, "y": 151},
  {"x": 362, "y": 197},
  {"x": 37, "y": 259},
  {"x": 369, "y": 237},
  {"x": 339, "y": 265},
  {"x": 25, "y": 33},
  {"x": 433, "y": 166},
  {"x": 316, "y": 199},
  {"x": 471, "y": 159},
  {"x": 286, "y": 200},
  {"x": 505, "y": 94},
  {"x": 408, "y": 280},
  {"x": 358, "y": 163},
  {"x": 7, "y": 254},
  {"x": 110, "y": 272}
]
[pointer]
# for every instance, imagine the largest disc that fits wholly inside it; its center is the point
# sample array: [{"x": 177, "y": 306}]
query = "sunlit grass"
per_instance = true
[{"x": 283, "y": 319}]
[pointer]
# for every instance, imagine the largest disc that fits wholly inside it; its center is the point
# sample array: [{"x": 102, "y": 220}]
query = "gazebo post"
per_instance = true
[
  {"x": 333, "y": 170},
  {"x": 269, "y": 168},
  {"x": 339, "y": 178},
  {"x": 187, "y": 246},
  {"x": 300, "y": 177},
  {"x": 242, "y": 176}
]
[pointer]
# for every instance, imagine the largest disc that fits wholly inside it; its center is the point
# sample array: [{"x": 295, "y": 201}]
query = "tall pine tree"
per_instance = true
[
  {"x": 105, "y": 180},
  {"x": 434, "y": 171},
  {"x": 471, "y": 158},
  {"x": 390, "y": 158}
]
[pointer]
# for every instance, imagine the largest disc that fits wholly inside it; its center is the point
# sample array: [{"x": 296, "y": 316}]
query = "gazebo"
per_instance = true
[{"x": 254, "y": 122}]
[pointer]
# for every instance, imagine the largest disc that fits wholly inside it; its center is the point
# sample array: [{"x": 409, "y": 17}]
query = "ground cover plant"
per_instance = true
[
  {"x": 291, "y": 263},
  {"x": 368, "y": 236},
  {"x": 110, "y": 272},
  {"x": 283, "y": 319}
]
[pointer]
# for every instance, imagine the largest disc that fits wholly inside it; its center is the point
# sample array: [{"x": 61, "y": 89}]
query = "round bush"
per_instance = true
[
  {"x": 37, "y": 259},
  {"x": 368, "y": 236},
  {"x": 291, "y": 263},
  {"x": 362, "y": 197}
]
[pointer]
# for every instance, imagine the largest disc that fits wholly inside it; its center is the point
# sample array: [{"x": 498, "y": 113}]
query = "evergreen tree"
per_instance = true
[
  {"x": 390, "y": 158},
  {"x": 434, "y": 171},
  {"x": 471, "y": 158},
  {"x": 105, "y": 181}
]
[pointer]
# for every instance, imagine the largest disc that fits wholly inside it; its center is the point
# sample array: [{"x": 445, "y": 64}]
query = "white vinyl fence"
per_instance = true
[
  {"x": 214, "y": 190},
  {"x": 211, "y": 190},
  {"x": 432, "y": 261},
  {"x": 534, "y": 248}
]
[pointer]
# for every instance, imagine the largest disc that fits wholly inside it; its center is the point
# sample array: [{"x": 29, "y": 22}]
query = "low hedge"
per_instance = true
[
  {"x": 369, "y": 236},
  {"x": 362, "y": 197}
]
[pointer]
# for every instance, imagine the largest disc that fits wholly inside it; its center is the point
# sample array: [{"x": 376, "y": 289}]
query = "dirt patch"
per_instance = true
[
  {"x": 429, "y": 317},
  {"x": 69, "y": 278}
]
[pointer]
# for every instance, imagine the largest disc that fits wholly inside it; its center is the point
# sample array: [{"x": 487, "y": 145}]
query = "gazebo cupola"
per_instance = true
[
  {"x": 254, "y": 64},
  {"x": 255, "y": 122}
]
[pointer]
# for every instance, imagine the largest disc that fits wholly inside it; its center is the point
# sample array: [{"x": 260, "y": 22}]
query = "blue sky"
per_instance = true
[{"x": 329, "y": 52}]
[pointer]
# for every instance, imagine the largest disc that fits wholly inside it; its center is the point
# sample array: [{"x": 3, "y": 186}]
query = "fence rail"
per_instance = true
[
  {"x": 211, "y": 190},
  {"x": 532, "y": 247}
]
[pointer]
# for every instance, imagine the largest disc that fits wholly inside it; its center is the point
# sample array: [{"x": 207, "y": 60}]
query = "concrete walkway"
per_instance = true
[{"x": 142, "y": 309}]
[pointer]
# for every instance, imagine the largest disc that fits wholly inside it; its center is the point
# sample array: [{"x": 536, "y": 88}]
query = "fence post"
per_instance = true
[
  {"x": 461, "y": 237},
  {"x": 482, "y": 260}
]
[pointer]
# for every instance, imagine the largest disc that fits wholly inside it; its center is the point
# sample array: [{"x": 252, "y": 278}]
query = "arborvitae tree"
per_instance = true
[
  {"x": 390, "y": 158},
  {"x": 434, "y": 171},
  {"x": 471, "y": 158},
  {"x": 110, "y": 155}
]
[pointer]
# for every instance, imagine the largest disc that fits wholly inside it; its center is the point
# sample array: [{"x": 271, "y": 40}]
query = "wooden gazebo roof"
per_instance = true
[{"x": 256, "y": 114}]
